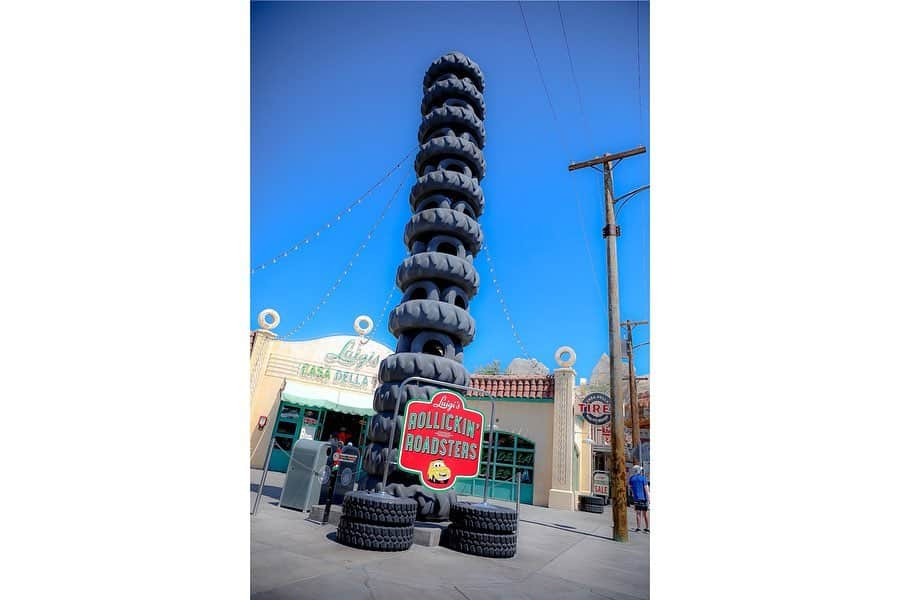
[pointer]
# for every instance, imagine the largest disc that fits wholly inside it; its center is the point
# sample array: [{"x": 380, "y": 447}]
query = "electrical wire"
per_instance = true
[
  {"x": 303, "y": 243},
  {"x": 559, "y": 130},
  {"x": 348, "y": 267},
  {"x": 637, "y": 21},
  {"x": 565, "y": 146},
  {"x": 587, "y": 125}
]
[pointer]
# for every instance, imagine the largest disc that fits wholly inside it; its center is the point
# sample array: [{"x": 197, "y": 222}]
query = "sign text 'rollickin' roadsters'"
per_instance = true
[{"x": 441, "y": 440}]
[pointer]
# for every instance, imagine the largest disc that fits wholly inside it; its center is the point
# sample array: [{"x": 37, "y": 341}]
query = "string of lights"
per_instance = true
[
  {"x": 347, "y": 210},
  {"x": 512, "y": 325},
  {"x": 384, "y": 308},
  {"x": 347, "y": 268}
]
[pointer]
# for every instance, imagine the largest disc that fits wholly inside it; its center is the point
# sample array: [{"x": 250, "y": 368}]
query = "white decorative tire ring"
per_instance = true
[
  {"x": 263, "y": 319},
  {"x": 359, "y": 327},
  {"x": 559, "y": 356}
]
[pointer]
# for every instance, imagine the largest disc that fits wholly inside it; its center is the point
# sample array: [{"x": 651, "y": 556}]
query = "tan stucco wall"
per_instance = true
[
  {"x": 266, "y": 391},
  {"x": 583, "y": 432},
  {"x": 533, "y": 420}
]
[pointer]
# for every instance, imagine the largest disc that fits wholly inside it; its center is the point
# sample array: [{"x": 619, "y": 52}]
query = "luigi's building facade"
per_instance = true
[{"x": 322, "y": 388}]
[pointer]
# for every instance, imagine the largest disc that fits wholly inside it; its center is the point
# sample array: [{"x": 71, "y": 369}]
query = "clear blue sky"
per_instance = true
[{"x": 335, "y": 94}]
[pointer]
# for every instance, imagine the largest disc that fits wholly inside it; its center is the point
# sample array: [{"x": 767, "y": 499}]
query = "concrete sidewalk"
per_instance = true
[{"x": 561, "y": 555}]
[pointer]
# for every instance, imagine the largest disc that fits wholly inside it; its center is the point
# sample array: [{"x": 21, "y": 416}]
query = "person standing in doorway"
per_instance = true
[{"x": 640, "y": 491}]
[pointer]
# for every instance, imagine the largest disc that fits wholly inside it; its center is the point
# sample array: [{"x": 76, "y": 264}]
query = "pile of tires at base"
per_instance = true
[
  {"x": 592, "y": 504},
  {"x": 483, "y": 530},
  {"x": 375, "y": 522},
  {"x": 438, "y": 279}
]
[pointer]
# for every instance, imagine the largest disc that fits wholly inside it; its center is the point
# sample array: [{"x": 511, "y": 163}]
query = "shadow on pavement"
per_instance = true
[
  {"x": 271, "y": 491},
  {"x": 568, "y": 529}
]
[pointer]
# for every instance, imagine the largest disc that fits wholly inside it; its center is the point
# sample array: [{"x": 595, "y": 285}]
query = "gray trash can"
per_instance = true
[{"x": 303, "y": 480}]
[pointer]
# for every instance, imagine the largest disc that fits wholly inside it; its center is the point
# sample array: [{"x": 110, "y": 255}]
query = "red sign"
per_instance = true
[{"x": 441, "y": 440}]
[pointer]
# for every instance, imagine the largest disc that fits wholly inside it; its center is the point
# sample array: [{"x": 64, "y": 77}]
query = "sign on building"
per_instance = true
[
  {"x": 600, "y": 484},
  {"x": 596, "y": 409},
  {"x": 441, "y": 440}
]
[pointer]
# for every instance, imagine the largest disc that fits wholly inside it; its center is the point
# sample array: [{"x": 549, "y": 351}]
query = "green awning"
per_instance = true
[{"x": 317, "y": 396}]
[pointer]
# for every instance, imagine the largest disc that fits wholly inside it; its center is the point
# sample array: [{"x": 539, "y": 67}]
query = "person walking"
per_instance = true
[{"x": 640, "y": 491}]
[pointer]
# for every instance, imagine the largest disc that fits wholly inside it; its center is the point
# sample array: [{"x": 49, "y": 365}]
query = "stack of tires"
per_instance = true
[
  {"x": 376, "y": 522},
  {"x": 483, "y": 529},
  {"x": 438, "y": 278},
  {"x": 593, "y": 504}
]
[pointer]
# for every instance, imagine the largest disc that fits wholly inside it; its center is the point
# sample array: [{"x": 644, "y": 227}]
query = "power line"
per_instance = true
[
  {"x": 565, "y": 146},
  {"x": 337, "y": 218},
  {"x": 637, "y": 21},
  {"x": 348, "y": 267},
  {"x": 559, "y": 130},
  {"x": 512, "y": 325},
  {"x": 574, "y": 78}
]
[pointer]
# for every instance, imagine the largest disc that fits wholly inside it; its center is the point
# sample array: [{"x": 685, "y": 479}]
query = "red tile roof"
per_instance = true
[{"x": 514, "y": 386}]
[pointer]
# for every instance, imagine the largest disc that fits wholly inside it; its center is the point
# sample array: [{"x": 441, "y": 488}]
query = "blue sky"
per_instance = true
[{"x": 335, "y": 95}]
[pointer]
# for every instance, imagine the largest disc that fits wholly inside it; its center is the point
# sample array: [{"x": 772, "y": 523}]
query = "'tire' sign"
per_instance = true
[
  {"x": 441, "y": 440},
  {"x": 595, "y": 408}
]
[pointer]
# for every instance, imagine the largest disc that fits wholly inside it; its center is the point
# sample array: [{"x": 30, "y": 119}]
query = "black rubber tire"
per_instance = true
[
  {"x": 489, "y": 519},
  {"x": 380, "y": 428},
  {"x": 458, "y": 119},
  {"x": 457, "y": 63},
  {"x": 397, "y": 367},
  {"x": 441, "y": 267},
  {"x": 376, "y": 456},
  {"x": 492, "y": 545},
  {"x": 431, "y": 505},
  {"x": 453, "y": 88},
  {"x": 433, "y": 315},
  {"x": 449, "y": 146},
  {"x": 449, "y": 348},
  {"x": 387, "y": 393},
  {"x": 369, "y": 536},
  {"x": 447, "y": 182},
  {"x": 593, "y": 508},
  {"x": 591, "y": 504},
  {"x": 373, "y": 508},
  {"x": 444, "y": 221}
]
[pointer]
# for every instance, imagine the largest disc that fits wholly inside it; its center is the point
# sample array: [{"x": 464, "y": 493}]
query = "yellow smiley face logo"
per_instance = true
[{"x": 438, "y": 472}]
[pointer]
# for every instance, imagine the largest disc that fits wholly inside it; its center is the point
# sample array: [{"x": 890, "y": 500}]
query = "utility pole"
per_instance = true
[
  {"x": 632, "y": 389},
  {"x": 611, "y": 232}
]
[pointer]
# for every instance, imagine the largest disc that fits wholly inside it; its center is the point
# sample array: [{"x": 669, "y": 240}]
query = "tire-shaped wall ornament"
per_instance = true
[{"x": 438, "y": 279}]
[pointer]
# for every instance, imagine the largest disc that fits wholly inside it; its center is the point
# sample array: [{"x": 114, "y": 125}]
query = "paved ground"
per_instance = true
[{"x": 561, "y": 555}]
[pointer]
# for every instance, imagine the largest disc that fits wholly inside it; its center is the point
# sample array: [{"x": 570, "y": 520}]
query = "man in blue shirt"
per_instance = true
[{"x": 640, "y": 491}]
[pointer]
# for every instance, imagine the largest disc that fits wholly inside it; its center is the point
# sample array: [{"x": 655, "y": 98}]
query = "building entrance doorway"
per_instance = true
[
  {"x": 307, "y": 423},
  {"x": 344, "y": 427}
]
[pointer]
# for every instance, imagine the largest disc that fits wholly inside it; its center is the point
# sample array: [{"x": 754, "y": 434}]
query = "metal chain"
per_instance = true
[
  {"x": 348, "y": 267},
  {"x": 335, "y": 220},
  {"x": 512, "y": 325}
]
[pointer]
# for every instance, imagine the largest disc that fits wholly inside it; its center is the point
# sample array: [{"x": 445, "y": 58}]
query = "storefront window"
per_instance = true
[
  {"x": 504, "y": 440},
  {"x": 511, "y": 454},
  {"x": 285, "y": 443},
  {"x": 503, "y": 474},
  {"x": 290, "y": 412},
  {"x": 525, "y": 459},
  {"x": 286, "y": 428}
]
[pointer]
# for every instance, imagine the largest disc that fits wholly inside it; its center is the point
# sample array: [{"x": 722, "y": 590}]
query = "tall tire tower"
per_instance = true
[{"x": 438, "y": 279}]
